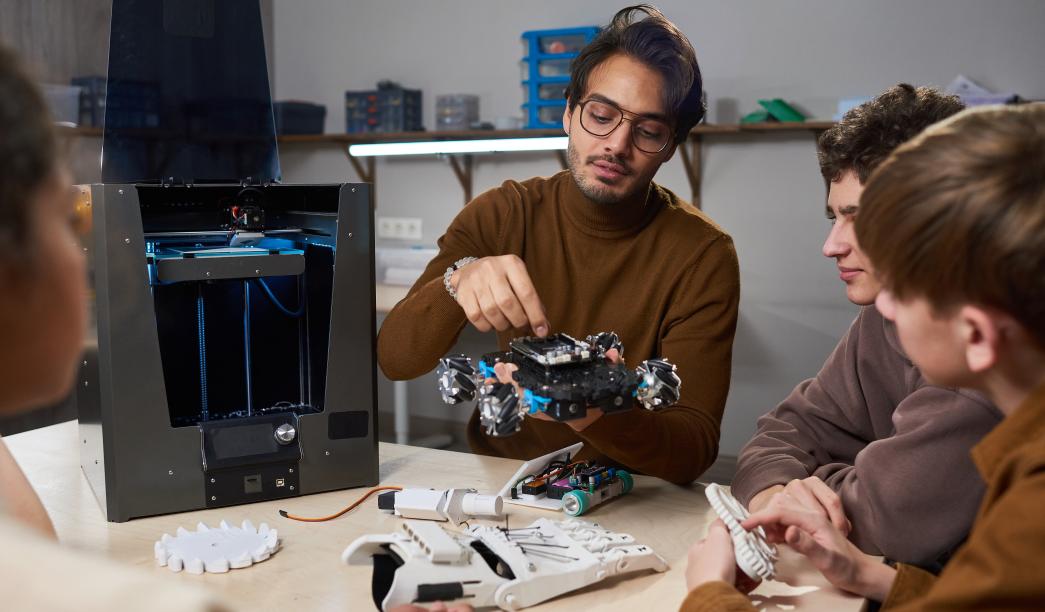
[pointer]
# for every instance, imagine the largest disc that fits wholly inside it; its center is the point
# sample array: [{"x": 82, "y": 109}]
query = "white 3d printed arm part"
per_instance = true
[
  {"x": 457, "y": 505},
  {"x": 491, "y": 566}
]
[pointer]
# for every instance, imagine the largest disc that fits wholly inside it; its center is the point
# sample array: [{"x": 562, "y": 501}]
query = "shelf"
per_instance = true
[
  {"x": 79, "y": 131},
  {"x": 774, "y": 126},
  {"x": 692, "y": 155},
  {"x": 373, "y": 137},
  {"x": 463, "y": 164}
]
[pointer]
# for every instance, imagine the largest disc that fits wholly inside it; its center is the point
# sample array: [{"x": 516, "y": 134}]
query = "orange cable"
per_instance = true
[{"x": 351, "y": 507}]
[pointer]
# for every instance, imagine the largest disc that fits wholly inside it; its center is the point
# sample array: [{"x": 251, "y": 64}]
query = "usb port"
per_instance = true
[{"x": 280, "y": 482}]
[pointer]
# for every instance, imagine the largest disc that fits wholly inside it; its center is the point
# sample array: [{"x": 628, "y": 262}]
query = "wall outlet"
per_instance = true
[{"x": 399, "y": 228}]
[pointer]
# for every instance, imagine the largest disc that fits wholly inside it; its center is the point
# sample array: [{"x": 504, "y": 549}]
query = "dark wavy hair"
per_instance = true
[
  {"x": 867, "y": 134},
  {"x": 28, "y": 149},
  {"x": 656, "y": 42}
]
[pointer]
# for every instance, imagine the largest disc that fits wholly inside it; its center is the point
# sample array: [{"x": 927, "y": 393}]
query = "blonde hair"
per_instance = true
[{"x": 957, "y": 215}]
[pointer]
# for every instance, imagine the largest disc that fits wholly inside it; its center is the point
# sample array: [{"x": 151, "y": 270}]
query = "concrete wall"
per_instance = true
[{"x": 764, "y": 189}]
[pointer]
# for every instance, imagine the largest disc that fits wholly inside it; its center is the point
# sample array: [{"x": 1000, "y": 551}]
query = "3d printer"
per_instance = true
[{"x": 235, "y": 315}]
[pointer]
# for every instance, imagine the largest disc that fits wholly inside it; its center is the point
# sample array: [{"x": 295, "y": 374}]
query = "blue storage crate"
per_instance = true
[
  {"x": 132, "y": 105},
  {"x": 547, "y": 61},
  {"x": 295, "y": 117},
  {"x": 361, "y": 111},
  {"x": 92, "y": 100}
]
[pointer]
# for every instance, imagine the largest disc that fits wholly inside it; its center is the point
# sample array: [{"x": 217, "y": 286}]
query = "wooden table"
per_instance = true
[{"x": 307, "y": 573}]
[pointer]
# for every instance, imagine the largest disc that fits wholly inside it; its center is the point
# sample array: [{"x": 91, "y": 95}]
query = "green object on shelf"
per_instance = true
[
  {"x": 759, "y": 116},
  {"x": 775, "y": 110}
]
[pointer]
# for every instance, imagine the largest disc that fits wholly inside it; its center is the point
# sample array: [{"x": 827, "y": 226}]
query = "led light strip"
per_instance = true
[{"x": 556, "y": 143}]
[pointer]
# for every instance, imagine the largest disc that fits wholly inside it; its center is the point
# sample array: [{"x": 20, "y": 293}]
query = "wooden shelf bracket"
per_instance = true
[
  {"x": 463, "y": 166},
  {"x": 562, "y": 159},
  {"x": 691, "y": 162}
]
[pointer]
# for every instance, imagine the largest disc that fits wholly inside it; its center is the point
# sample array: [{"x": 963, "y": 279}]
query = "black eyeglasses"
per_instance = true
[{"x": 600, "y": 118}]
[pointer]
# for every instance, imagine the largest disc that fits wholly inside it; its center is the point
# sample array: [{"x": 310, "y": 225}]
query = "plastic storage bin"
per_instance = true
[
  {"x": 389, "y": 108},
  {"x": 456, "y": 111},
  {"x": 135, "y": 104},
  {"x": 361, "y": 113},
  {"x": 547, "y": 72},
  {"x": 64, "y": 103},
  {"x": 132, "y": 105},
  {"x": 400, "y": 109},
  {"x": 92, "y": 100},
  {"x": 294, "y": 117},
  {"x": 551, "y": 116}
]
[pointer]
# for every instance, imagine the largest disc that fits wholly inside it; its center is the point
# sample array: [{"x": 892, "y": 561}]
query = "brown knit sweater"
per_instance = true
[{"x": 663, "y": 276}]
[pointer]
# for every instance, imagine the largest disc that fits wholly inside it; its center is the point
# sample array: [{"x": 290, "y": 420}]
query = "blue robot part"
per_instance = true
[{"x": 535, "y": 402}]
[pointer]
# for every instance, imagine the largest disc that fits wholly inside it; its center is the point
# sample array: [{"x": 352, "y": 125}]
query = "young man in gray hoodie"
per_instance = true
[{"x": 868, "y": 442}]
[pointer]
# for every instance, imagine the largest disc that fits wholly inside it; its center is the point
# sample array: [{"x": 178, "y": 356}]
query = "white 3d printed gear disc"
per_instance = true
[
  {"x": 755, "y": 555},
  {"x": 216, "y": 550}
]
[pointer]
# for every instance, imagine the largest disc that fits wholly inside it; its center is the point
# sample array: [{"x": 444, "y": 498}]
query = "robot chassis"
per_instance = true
[{"x": 559, "y": 376}]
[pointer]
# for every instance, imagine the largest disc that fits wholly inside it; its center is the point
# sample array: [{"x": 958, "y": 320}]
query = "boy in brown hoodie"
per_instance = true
[
  {"x": 953, "y": 223},
  {"x": 868, "y": 441}
]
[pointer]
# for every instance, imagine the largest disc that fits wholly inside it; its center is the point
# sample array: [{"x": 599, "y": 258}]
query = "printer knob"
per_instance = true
[{"x": 285, "y": 433}]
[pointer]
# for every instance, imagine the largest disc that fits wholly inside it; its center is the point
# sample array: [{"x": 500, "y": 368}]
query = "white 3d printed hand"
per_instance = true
[
  {"x": 490, "y": 566},
  {"x": 755, "y": 555},
  {"x": 216, "y": 550}
]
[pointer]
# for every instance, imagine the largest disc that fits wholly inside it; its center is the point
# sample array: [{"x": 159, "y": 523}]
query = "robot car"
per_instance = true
[
  {"x": 559, "y": 376},
  {"x": 580, "y": 486}
]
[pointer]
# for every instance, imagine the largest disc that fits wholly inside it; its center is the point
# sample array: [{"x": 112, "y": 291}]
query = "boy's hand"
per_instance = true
[
  {"x": 713, "y": 559},
  {"x": 810, "y": 493},
  {"x": 813, "y": 535},
  {"x": 763, "y": 497},
  {"x": 497, "y": 293}
]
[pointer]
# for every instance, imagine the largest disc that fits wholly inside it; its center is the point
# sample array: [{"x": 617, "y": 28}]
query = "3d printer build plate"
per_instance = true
[{"x": 175, "y": 265}]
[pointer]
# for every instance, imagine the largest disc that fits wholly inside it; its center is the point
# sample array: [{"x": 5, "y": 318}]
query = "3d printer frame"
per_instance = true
[{"x": 235, "y": 345}]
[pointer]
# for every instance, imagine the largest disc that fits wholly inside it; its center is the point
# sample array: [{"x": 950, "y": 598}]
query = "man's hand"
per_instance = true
[
  {"x": 504, "y": 375},
  {"x": 497, "y": 293},
  {"x": 809, "y": 493},
  {"x": 811, "y": 534},
  {"x": 713, "y": 559}
]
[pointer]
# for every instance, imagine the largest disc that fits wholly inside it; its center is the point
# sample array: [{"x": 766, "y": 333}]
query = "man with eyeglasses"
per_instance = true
[{"x": 599, "y": 247}]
